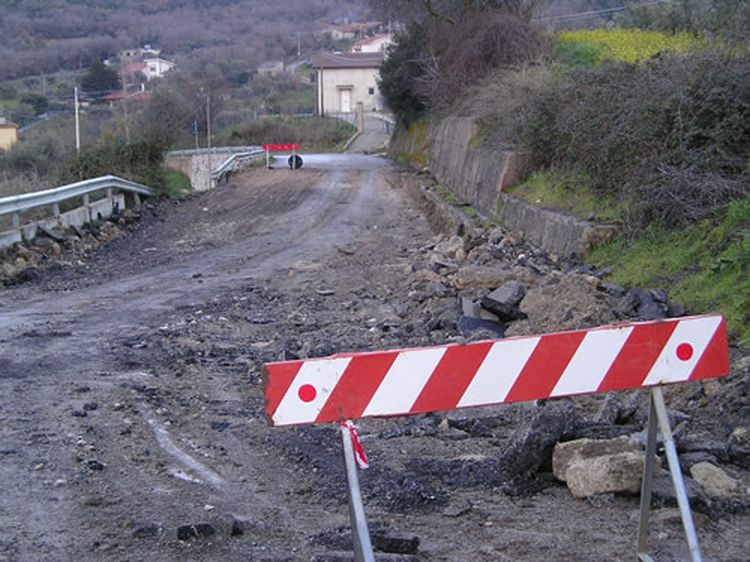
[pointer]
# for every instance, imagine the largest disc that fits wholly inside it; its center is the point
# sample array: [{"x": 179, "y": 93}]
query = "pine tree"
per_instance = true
[{"x": 99, "y": 79}]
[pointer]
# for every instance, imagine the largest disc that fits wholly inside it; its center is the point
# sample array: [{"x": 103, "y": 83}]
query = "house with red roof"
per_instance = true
[{"x": 375, "y": 44}]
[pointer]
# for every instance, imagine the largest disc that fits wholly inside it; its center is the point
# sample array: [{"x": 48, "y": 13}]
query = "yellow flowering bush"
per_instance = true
[{"x": 627, "y": 45}]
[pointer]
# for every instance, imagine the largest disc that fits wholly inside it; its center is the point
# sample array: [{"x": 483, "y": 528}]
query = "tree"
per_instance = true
[
  {"x": 401, "y": 72},
  {"x": 728, "y": 19},
  {"x": 99, "y": 79},
  {"x": 450, "y": 11},
  {"x": 39, "y": 102}
]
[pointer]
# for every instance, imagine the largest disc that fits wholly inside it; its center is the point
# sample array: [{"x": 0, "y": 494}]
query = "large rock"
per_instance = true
[
  {"x": 586, "y": 449},
  {"x": 715, "y": 481},
  {"x": 504, "y": 301},
  {"x": 453, "y": 248},
  {"x": 482, "y": 277},
  {"x": 591, "y": 466},
  {"x": 531, "y": 447},
  {"x": 618, "y": 472}
]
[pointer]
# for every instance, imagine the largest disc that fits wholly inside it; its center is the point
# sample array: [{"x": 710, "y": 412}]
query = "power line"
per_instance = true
[{"x": 581, "y": 15}]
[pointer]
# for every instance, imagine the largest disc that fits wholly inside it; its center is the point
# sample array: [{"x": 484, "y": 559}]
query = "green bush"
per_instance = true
[
  {"x": 669, "y": 139},
  {"x": 39, "y": 102},
  {"x": 313, "y": 133},
  {"x": 140, "y": 162},
  {"x": 41, "y": 158},
  {"x": 176, "y": 183}
]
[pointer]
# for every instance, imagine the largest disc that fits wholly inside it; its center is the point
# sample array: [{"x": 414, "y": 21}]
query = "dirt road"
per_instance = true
[{"x": 131, "y": 411}]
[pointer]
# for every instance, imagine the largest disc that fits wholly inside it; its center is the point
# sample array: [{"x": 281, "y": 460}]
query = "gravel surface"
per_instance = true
[{"x": 132, "y": 415}]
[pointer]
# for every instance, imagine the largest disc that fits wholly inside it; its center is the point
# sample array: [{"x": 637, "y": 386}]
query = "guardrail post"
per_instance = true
[
  {"x": 16, "y": 218},
  {"x": 136, "y": 198},
  {"x": 87, "y": 204}
]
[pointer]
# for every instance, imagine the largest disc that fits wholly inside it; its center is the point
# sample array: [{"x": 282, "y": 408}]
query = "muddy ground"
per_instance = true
[{"x": 131, "y": 408}]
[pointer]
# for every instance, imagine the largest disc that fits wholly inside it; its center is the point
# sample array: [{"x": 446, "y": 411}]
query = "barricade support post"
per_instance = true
[
  {"x": 350, "y": 386},
  {"x": 360, "y": 532},
  {"x": 659, "y": 419}
]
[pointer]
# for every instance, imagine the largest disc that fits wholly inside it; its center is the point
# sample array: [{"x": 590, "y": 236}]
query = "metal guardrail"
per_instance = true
[
  {"x": 235, "y": 161},
  {"x": 17, "y": 204},
  {"x": 215, "y": 150}
]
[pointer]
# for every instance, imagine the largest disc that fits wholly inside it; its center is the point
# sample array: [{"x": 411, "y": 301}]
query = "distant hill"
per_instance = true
[{"x": 43, "y": 36}]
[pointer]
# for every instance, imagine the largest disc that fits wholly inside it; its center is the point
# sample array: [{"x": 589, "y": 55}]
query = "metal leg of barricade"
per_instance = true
[
  {"x": 658, "y": 418},
  {"x": 360, "y": 532}
]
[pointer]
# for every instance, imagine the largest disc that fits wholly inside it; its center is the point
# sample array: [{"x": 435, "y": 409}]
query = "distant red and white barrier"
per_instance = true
[
  {"x": 295, "y": 161},
  {"x": 411, "y": 381}
]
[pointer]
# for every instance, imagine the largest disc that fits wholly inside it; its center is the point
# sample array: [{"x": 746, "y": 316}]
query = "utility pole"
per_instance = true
[
  {"x": 299, "y": 44},
  {"x": 124, "y": 103},
  {"x": 208, "y": 129},
  {"x": 78, "y": 122}
]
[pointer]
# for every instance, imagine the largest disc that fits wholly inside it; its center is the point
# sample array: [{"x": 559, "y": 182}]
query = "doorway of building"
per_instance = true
[{"x": 345, "y": 97}]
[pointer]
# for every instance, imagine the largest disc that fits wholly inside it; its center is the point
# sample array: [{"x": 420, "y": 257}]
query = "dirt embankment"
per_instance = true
[{"x": 132, "y": 414}]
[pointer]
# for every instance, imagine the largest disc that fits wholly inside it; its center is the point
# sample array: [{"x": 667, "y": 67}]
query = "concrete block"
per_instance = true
[
  {"x": 10, "y": 237},
  {"x": 75, "y": 217}
]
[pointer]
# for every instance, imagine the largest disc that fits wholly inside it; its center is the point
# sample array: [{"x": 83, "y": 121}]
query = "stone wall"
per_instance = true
[{"x": 478, "y": 176}]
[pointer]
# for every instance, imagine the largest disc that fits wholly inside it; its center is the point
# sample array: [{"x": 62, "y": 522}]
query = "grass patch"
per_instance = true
[
  {"x": 706, "y": 266},
  {"x": 591, "y": 46},
  {"x": 176, "y": 184},
  {"x": 568, "y": 193},
  {"x": 411, "y": 147},
  {"x": 446, "y": 194},
  {"x": 299, "y": 101}
]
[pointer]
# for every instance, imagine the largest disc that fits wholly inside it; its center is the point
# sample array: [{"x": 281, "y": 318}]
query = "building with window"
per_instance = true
[
  {"x": 346, "y": 79},
  {"x": 375, "y": 44},
  {"x": 8, "y": 134},
  {"x": 157, "y": 67}
]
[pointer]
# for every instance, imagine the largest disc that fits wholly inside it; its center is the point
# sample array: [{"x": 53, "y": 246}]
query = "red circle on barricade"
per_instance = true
[
  {"x": 307, "y": 393},
  {"x": 684, "y": 351}
]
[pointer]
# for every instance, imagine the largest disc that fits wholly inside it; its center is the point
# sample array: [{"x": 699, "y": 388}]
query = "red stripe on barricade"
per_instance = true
[
  {"x": 545, "y": 366},
  {"x": 716, "y": 357},
  {"x": 637, "y": 356},
  {"x": 359, "y": 382},
  {"x": 278, "y": 377},
  {"x": 451, "y": 377},
  {"x": 440, "y": 377}
]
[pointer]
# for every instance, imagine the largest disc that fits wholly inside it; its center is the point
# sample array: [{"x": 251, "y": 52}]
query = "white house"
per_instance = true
[
  {"x": 345, "y": 79},
  {"x": 157, "y": 67},
  {"x": 375, "y": 44}
]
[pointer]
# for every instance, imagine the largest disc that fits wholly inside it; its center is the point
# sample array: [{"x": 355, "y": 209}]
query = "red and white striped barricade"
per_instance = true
[
  {"x": 295, "y": 161},
  {"x": 349, "y": 386}
]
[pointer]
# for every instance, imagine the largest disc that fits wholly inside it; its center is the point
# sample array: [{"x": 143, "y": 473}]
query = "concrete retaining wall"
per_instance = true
[
  {"x": 197, "y": 167},
  {"x": 478, "y": 176},
  {"x": 556, "y": 233}
]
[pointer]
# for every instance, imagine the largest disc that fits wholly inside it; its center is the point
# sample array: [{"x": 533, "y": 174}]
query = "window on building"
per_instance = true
[{"x": 371, "y": 91}]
